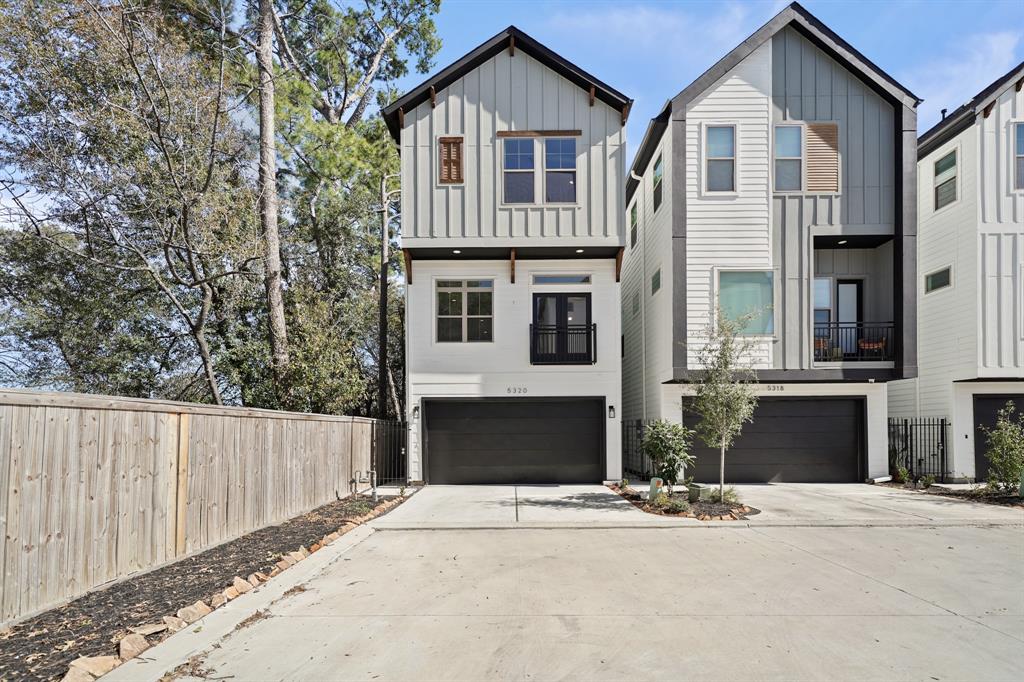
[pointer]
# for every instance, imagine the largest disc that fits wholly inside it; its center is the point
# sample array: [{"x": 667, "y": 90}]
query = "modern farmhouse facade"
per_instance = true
[
  {"x": 971, "y": 257},
  {"x": 512, "y": 167},
  {"x": 780, "y": 184}
]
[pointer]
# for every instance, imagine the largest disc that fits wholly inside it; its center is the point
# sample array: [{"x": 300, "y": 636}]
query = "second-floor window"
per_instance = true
[
  {"x": 450, "y": 155},
  {"x": 748, "y": 296},
  {"x": 518, "y": 170},
  {"x": 1018, "y": 158},
  {"x": 633, "y": 226},
  {"x": 465, "y": 310},
  {"x": 789, "y": 151},
  {"x": 658, "y": 172},
  {"x": 720, "y": 161},
  {"x": 560, "y": 170},
  {"x": 945, "y": 180}
]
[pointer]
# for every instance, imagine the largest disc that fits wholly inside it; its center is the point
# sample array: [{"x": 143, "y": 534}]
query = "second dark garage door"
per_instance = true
[
  {"x": 817, "y": 440},
  {"x": 514, "y": 441}
]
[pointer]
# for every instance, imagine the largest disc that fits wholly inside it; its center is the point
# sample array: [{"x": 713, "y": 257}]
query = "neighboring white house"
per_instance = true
[
  {"x": 971, "y": 265},
  {"x": 780, "y": 183},
  {"x": 513, "y": 162}
]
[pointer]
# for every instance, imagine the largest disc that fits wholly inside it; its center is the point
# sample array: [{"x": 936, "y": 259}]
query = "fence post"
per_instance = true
[
  {"x": 181, "y": 496},
  {"x": 942, "y": 446}
]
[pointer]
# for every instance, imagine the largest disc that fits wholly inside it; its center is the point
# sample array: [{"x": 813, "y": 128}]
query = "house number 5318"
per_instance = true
[
  {"x": 774, "y": 388},
  {"x": 515, "y": 389}
]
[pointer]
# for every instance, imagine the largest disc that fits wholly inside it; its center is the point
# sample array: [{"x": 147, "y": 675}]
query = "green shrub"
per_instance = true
[
  {"x": 660, "y": 500},
  {"x": 927, "y": 481},
  {"x": 1006, "y": 449},
  {"x": 667, "y": 444},
  {"x": 901, "y": 475},
  {"x": 728, "y": 496},
  {"x": 625, "y": 483},
  {"x": 677, "y": 506}
]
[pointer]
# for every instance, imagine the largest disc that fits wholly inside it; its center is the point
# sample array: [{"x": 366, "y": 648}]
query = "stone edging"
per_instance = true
[{"x": 88, "y": 668}]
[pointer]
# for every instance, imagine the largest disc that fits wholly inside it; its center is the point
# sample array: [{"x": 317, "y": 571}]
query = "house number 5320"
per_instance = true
[{"x": 515, "y": 389}]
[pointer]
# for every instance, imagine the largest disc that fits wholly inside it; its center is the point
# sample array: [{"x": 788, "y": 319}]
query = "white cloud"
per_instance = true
[{"x": 957, "y": 76}]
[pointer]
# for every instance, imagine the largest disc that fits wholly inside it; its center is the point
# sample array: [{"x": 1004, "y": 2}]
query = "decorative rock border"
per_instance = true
[{"x": 88, "y": 668}]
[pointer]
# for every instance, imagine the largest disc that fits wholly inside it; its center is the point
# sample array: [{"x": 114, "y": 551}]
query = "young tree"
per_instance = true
[
  {"x": 1006, "y": 449},
  {"x": 667, "y": 445},
  {"x": 724, "y": 395}
]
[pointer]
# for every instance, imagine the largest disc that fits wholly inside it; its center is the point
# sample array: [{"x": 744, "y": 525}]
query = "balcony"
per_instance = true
[
  {"x": 556, "y": 344},
  {"x": 854, "y": 342}
]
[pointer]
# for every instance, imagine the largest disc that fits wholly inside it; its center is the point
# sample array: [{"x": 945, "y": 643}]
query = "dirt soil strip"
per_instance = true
[{"x": 42, "y": 647}]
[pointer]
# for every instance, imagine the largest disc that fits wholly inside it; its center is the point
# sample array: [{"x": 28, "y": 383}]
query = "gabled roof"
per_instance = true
[
  {"x": 514, "y": 40},
  {"x": 963, "y": 116},
  {"x": 811, "y": 28}
]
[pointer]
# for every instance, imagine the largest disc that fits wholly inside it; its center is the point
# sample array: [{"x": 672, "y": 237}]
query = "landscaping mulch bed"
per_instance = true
[
  {"x": 702, "y": 510},
  {"x": 41, "y": 647},
  {"x": 980, "y": 494}
]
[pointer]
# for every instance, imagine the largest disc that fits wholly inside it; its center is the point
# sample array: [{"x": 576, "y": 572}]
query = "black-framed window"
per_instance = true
[
  {"x": 518, "y": 166},
  {"x": 658, "y": 173},
  {"x": 945, "y": 180},
  {"x": 634, "y": 221},
  {"x": 465, "y": 310},
  {"x": 562, "y": 328},
  {"x": 940, "y": 279},
  {"x": 560, "y": 170}
]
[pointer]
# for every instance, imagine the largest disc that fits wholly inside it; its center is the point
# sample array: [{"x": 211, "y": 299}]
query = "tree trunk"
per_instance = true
[
  {"x": 268, "y": 197},
  {"x": 721, "y": 476}
]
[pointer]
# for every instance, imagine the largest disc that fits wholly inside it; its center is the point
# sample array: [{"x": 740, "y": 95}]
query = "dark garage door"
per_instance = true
[
  {"x": 816, "y": 440},
  {"x": 515, "y": 441},
  {"x": 986, "y": 408}
]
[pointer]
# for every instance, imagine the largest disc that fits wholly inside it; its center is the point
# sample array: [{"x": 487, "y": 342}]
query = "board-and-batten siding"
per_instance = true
[
  {"x": 93, "y": 489},
  {"x": 808, "y": 85},
  {"x": 510, "y": 93},
  {"x": 731, "y": 231}
]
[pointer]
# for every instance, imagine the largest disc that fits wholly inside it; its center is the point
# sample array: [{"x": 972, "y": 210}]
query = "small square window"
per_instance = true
[
  {"x": 748, "y": 295},
  {"x": 940, "y": 279}
]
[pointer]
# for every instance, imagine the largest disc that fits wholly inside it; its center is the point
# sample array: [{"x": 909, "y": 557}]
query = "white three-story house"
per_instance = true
[
  {"x": 512, "y": 168},
  {"x": 971, "y": 264},
  {"x": 781, "y": 183}
]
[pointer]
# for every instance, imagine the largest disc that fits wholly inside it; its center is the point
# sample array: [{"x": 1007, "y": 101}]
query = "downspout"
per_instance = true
[{"x": 643, "y": 307}]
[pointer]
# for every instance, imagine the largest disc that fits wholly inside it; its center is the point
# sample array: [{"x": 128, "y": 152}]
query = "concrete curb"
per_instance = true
[
  {"x": 695, "y": 524},
  {"x": 203, "y": 634}
]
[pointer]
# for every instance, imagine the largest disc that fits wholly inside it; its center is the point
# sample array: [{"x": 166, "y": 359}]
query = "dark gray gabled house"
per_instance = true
[{"x": 782, "y": 183}]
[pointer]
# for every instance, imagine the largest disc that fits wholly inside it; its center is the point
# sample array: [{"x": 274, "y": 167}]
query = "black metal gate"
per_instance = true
[
  {"x": 919, "y": 445},
  {"x": 389, "y": 452},
  {"x": 635, "y": 464}
]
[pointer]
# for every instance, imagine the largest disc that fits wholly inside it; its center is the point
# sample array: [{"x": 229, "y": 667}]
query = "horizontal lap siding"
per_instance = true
[
  {"x": 89, "y": 485},
  {"x": 510, "y": 93}
]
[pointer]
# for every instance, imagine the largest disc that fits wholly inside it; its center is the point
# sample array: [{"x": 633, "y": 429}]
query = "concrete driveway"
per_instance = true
[{"x": 792, "y": 602}]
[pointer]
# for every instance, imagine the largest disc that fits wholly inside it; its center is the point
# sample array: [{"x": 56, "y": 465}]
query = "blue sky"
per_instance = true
[{"x": 945, "y": 51}]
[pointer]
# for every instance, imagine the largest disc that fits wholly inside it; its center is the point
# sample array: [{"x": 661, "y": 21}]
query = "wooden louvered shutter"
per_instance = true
[
  {"x": 822, "y": 158},
  {"x": 451, "y": 159}
]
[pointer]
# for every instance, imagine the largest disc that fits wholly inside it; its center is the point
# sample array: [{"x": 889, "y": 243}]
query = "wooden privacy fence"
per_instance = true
[{"x": 94, "y": 488}]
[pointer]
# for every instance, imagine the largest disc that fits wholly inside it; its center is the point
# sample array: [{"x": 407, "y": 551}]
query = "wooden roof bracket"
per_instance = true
[
  {"x": 433, "y": 97},
  {"x": 618, "y": 263},
  {"x": 511, "y": 46},
  {"x": 512, "y": 259},
  {"x": 625, "y": 112},
  {"x": 408, "y": 265},
  {"x": 593, "y": 92},
  {"x": 401, "y": 117}
]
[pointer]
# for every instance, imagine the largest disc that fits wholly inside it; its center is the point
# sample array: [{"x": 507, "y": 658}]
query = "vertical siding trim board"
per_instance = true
[{"x": 677, "y": 204}]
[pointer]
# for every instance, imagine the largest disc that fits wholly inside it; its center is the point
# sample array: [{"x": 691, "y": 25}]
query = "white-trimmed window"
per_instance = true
[
  {"x": 749, "y": 295},
  {"x": 465, "y": 310},
  {"x": 1018, "y": 157},
  {"x": 560, "y": 170},
  {"x": 720, "y": 158},
  {"x": 634, "y": 222},
  {"x": 940, "y": 279},
  {"x": 789, "y": 158},
  {"x": 518, "y": 168},
  {"x": 944, "y": 181},
  {"x": 659, "y": 171}
]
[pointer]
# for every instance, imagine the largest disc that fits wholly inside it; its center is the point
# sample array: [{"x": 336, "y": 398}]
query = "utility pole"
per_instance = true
[{"x": 382, "y": 328}]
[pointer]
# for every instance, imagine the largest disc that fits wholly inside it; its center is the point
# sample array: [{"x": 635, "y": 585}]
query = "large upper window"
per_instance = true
[
  {"x": 748, "y": 295},
  {"x": 560, "y": 170},
  {"x": 518, "y": 170},
  {"x": 658, "y": 172},
  {"x": 633, "y": 225},
  {"x": 720, "y": 158},
  {"x": 1019, "y": 155},
  {"x": 945, "y": 180},
  {"x": 465, "y": 310},
  {"x": 788, "y": 158}
]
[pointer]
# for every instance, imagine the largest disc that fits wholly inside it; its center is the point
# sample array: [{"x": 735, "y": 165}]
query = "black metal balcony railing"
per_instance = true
[
  {"x": 854, "y": 342},
  {"x": 556, "y": 344}
]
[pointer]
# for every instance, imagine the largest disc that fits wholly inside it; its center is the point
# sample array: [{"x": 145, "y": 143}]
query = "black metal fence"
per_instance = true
[
  {"x": 389, "y": 452},
  {"x": 854, "y": 342},
  {"x": 635, "y": 464},
  {"x": 556, "y": 344},
  {"x": 919, "y": 445}
]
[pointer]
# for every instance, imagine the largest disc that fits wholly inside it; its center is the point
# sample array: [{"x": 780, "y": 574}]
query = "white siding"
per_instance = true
[
  {"x": 1001, "y": 204},
  {"x": 492, "y": 369},
  {"x": 510, "y": 93},
  {"x": 732, "y": 231}
]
